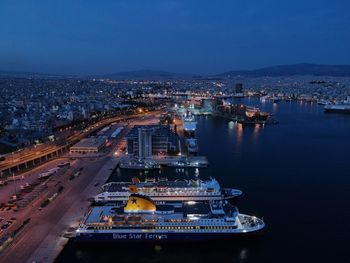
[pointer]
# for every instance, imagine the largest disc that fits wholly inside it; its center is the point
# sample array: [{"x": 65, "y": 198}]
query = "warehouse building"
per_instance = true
[{"x": 89, "y": 145}]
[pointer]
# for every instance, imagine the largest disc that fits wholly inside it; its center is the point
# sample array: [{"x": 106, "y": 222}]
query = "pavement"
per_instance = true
[
  {"x": 52, "y": 245},
  {"x": 31, "y": 153},
  {"x": 42, "y": 239},
  {"x": 180, "y": 132},
  {"x": 8, "y": 190}
]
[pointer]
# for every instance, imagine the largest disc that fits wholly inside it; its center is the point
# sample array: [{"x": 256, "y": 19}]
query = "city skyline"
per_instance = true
[
  {"x": 185, "y": 130},
  {"x": 174, "y": 36}
]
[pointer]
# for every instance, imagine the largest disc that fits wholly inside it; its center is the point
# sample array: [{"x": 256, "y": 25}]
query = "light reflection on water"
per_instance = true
[
  {"x": 289, "y": 186},
  {"x": 239, "y": 133},
  {"x": 256, "y": 131},
  {"x": 274, "y": 107},
  {"x": 231, "y": 125}
]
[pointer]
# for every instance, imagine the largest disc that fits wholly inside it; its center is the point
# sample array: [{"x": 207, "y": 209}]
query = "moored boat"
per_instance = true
[
  {"x": 181, "y": 221},
  {"x": 337, "y": 108},
  {"x": 165, "y": 190}
]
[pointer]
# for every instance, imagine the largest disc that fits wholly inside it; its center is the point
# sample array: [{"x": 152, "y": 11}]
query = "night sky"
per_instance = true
[{"x": 205, "y": 37}]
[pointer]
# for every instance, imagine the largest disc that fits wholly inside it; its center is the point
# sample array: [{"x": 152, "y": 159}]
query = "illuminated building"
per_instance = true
[
  {"x": 88, "y": 145},
  {"x": 145, "y": 141}
]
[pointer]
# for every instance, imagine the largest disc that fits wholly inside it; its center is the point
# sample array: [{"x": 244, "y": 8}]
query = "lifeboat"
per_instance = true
[
  {"x": 118, "y": 220},
  {"x": 162, "y": 189},
  {"x": 210, "y": 190},
  {"x": 134, "y": 220}
]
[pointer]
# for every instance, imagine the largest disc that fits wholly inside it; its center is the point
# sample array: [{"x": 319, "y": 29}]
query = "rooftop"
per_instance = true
[
  {"x": 90, "y": 142},
  {"x": 158, "y": 130}
]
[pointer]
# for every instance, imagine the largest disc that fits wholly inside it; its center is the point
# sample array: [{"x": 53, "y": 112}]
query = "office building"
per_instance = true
[{"x": 145, "y": 141}]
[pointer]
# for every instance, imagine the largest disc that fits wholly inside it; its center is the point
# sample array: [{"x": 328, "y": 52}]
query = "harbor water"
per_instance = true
[{"x": 295, "y": 175}]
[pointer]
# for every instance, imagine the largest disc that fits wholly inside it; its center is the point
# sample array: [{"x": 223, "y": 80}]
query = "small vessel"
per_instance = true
[
  {"x": 189, "y": 124},
  {"x": 178, "y": 164},
  {"x": 337, "y": 108},
  {"x": 192, "y": 145},
  {"x": 322, "y": 102},
  {"x": 196, "y": 172},
  {"x": 253, "y": 113},
  {"x": 140, "y": 219},
  {"x": 275, "y": 99},
  {"x": 263, "y": 99},
  {"x": 165, "y": 190},
  {"x": 196, "y": 164},
  {"x": 186, "y": 163},
  {"x": 139, "y": 165}
]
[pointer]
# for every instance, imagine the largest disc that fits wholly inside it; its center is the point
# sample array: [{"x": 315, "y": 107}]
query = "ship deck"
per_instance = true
[
  {"x": 180, "y": 211},
  {"x": 120, "y": 186}
]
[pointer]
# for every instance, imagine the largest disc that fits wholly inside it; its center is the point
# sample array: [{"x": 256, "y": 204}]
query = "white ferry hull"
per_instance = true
[
  {"x": 158, "y": 236},
  {"x": 344, "y": 109},
  {"x": 124, "y": 198}
]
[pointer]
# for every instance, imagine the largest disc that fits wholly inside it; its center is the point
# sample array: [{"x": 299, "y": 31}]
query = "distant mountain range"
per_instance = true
[
  {"x": 149, "y": 74},
  {"x": 274, "y": 71},
  {"x": 292, "y": 70},
  {"x": 15, "y": 74}
]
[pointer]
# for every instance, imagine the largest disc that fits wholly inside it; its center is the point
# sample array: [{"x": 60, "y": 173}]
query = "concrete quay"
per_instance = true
[
  {"x": 186, "y": 161},
  {"x": 42, "y": 239}
]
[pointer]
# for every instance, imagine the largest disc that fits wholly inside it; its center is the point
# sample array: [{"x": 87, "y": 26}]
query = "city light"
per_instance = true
[{"x": 78, "y": 128}]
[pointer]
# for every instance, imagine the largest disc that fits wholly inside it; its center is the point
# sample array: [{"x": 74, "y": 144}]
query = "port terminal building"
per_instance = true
[
  {"x": 89, "y": 145},
  {"x": 149, "y": 140}
]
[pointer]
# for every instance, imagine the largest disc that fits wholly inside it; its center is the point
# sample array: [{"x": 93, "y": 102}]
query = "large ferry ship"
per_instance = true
[
  {"x": 341, "y": 107},
  {"x": 164, "y": 190},
  {"x": 189, "y": 124},
  {"x": 337, "y": 108},
  {"x": 142, "y": 220}
]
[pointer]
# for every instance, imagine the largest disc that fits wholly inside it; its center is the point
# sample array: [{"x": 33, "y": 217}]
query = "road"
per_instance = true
[
  {"x": 48, "y": 223},
  {"x": 180, "y": 131},
  {"x": 42, "y": 238},
  {"x": 30, "y": 154},
  {"x": 7, "y": 191}
]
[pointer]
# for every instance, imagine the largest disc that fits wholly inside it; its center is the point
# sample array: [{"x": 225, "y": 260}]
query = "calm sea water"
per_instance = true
[{"x": 296, "y": 175}]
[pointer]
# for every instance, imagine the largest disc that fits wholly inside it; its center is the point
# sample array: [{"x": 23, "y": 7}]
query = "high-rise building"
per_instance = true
[{"x": 145, "y": 141}]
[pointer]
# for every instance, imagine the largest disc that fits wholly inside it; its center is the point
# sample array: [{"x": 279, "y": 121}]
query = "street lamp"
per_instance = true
[{"x": 14, "y": 182}]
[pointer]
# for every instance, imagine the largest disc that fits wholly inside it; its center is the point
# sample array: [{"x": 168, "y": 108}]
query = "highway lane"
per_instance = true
[
  {"x": 42, "y": 240},
  {"x": 34, "y": 153}
]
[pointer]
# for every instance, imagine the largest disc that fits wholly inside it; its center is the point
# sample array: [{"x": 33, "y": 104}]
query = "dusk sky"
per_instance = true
[{"x": 205, "y": 37}]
